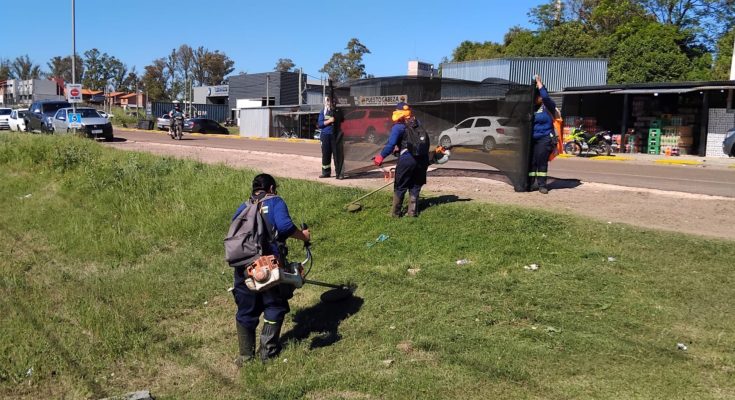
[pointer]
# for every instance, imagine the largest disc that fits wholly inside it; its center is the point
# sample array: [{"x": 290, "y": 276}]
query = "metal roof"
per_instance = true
[{"x": 670, "y": 87}]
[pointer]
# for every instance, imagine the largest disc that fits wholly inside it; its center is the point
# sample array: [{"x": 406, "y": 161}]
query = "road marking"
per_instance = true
[
  {"x": 610, "y": 158},
  {"x": 677, "y": 162}
]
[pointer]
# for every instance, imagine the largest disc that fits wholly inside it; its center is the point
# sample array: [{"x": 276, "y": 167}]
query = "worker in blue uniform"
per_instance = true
[
  {"x": 332, "y": 140},
  {"x": 543, "y": 137},
  {"x": 413, "y": 159},
  {"x": 273, "y": 303}
]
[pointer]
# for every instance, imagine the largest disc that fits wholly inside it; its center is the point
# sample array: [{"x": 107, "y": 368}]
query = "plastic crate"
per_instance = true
[
  {"x": 654, "y": 132},
  {"x": 655, "y": 124}
]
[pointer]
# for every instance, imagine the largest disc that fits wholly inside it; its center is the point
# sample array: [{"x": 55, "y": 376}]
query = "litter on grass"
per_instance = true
[
  {"x": 387, "y": 363},
  {"x": 382, "y": 238},
  {"x": 463, "y": 261},
  {"x": 413, "y": 271},
  {"x": 26, "y": 196},
  {"x": 681, "y": 346},
  {"x": 611, "y": 259},
  {"x": 532, "y": 267}
]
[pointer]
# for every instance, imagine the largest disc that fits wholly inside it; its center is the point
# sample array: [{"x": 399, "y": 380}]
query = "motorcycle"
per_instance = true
[
  {"x": 579, "y": 140},
  {"x": 177, "y": 127}
]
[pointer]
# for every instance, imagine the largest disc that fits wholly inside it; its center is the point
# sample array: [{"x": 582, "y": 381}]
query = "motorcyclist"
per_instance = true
[{"x": 176, "y": 112}]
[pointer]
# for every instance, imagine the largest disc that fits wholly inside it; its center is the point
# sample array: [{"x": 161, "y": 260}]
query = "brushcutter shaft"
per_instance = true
[
  {"x": 373, "y": 192},
  {"x": 323, "y": 284}
]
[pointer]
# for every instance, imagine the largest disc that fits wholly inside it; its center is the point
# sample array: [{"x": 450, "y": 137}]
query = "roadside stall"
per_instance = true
[{"x": 664, "y": 118}]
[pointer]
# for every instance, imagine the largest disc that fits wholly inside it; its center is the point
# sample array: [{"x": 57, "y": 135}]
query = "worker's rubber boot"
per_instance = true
[
  {"x": 395, "y": 211},
  {"x": 246, "y": 340},
  {"x": 534, "y": 185},
  {"x": 270, "y": 344},
  {"x": 413, "y": 206}
]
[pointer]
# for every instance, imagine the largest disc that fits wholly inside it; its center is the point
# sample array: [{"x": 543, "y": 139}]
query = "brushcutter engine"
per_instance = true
[{"x": 267, "y": 272}]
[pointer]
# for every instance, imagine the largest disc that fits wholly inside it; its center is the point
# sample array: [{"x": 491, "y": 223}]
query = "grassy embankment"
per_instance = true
[{"x": 112, "y": 280}]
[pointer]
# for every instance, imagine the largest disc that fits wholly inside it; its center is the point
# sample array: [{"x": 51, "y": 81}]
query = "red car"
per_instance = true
[{"x": 367, "y": 124}]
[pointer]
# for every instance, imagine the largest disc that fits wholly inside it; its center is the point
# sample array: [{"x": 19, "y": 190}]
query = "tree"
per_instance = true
[
  {"x": 5, "y": 72},
  {"x": 23, "y": 68},
  {"x": 154, "y": 80},
  {"x": 649, "y": 54},
  {"x": 549, "y": 15},
  {"x": 60, "y": 67},
  {"x": 709, "y": 19},
  {"x": 131, "y": 83},
  {"x": 723, "y": 60},
  {"x": 468, "y": 51},
  {"x": 218, "y": 66},
  {"x": 343, "y": 67},
  {"x": 102, "y": 71},
  {"x": 284, "y": 65},
  {"x": 211, "y": 68}
]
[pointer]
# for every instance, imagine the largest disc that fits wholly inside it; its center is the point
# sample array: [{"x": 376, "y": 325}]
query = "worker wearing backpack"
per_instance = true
[
  {"x": 412, "y": 142},
  {"x": 273, "y": 303}
]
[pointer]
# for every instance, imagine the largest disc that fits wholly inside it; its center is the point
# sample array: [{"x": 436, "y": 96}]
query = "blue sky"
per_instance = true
[{"x": 255, "y": 34}]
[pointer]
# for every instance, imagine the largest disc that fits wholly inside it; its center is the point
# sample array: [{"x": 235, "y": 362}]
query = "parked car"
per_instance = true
[
  {"x": 41, "y": 113},
  {"x": 93, "y": 124},
  {"x": 5, "y": 117},
  {"x": 163, "y": 122},
  {"x": 728, "y": 145},
  {"x": 104, "y": 114},
  {"x": 203, "y": 125},
  {"x": 365, "y": 124},
  {"x": 17, "y": 123},
  {"x": 485, "y": 132}
]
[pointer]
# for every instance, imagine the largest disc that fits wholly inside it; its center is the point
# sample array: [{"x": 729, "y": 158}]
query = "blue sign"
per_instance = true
[{"x": 75, "y": 120}]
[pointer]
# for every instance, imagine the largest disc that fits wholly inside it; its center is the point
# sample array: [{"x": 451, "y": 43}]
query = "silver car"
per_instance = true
[
  {"x": 728, "y": 145},
  {"x": 93, "y": 124}
]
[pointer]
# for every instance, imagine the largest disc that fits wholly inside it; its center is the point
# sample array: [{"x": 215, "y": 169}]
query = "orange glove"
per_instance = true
[{"x": 378, "y": 160}]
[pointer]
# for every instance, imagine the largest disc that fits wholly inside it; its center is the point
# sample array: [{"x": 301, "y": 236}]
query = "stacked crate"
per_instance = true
[{"x": 654, "y": 141}]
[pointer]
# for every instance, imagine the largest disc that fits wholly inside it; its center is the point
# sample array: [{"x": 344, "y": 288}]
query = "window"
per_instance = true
[
  {"x": 61, "y": 114},
  {"x": 88, "y": 113},
  {"x": 355, "y": 115},
  {"x": 466, "y": 124},
  {"x": 483, "y": 123},
  {"x": 5, "y": 111}
]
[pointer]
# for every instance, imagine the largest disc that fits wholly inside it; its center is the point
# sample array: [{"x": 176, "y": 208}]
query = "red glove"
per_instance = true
[{"x": 378, "y": 160}]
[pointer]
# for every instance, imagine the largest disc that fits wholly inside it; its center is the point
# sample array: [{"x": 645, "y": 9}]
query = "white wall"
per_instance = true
[{"x": 255, "y": 122}]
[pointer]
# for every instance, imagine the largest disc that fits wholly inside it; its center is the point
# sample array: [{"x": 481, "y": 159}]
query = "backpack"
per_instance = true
[
  {"x": 249, "y": 236},
  {"x": 416, "y": 139}
]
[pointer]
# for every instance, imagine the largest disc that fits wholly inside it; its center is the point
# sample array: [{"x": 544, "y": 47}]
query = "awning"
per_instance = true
[
  {"x": 654, "y": 91},
  {"x": 586, "y": 91},
  {"x": 715, "y": 88}
]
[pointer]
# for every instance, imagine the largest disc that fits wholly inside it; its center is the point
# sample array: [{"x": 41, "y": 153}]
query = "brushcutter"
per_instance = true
[{"x": 267, "y": 272}]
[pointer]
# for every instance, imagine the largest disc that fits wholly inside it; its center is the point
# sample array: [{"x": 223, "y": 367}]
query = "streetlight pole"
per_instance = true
[{"x": 73, "y": 55}]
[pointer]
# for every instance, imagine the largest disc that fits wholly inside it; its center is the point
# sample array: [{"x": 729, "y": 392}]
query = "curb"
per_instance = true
[
  {"x": 677, "y": 162},
  {"x": 270, "y": 139},
  {"x": 611, "y": 158}
]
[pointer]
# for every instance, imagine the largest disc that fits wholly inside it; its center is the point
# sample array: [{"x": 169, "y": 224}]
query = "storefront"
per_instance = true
[{"x": 663, "y": 118}]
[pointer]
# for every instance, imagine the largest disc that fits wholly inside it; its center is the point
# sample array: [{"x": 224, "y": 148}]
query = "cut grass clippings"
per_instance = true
[{"x": 112, "y": 280}]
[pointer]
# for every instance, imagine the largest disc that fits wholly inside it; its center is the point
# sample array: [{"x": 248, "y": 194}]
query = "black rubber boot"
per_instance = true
[
  {"x": 413, "y": 206},
  {"x": 534, "y": 185},
  {"x": 270, "y": 344},
  {"x": 246, "y": 340},
  {"x": 395, "y": 210}
]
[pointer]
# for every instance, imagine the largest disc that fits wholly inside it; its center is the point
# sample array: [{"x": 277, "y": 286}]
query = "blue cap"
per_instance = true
[{"x": 402, "y": 106}]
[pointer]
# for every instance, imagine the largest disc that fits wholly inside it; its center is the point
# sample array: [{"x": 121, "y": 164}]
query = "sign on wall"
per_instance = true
[
  {"x": 381, "y": 100},
  {"x": 216, "y": 91}
]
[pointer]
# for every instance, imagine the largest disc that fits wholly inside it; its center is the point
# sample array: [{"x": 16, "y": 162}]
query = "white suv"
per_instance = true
[
  {"x": 5, "y": 118},
  {"x": 17, "y": 123}
]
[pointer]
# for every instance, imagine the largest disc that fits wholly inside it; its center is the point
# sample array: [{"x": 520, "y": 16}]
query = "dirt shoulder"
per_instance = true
[{"x": 711, "y": 216}]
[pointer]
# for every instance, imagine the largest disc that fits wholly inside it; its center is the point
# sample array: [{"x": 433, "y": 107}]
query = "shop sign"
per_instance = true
[
  {"x": 217, "y": 91},
  {"x": 381, "y": 100}
]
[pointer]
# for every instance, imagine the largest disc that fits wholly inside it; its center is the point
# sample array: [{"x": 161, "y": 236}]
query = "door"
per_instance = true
[
  {"x": 60, "y": 122},
  {"x": 464, "y": 133},
  {"x": 481, "y": 130}
]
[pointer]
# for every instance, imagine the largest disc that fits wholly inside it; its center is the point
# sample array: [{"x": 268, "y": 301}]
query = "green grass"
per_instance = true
[{"x": 112, "y": 280}]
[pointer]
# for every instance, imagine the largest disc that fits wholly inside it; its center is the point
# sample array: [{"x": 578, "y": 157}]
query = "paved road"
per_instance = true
[{"x": 690, "y": 179}]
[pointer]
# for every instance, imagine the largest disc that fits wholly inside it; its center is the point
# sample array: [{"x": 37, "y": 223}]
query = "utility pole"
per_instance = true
[
  {"x": 301, "y": 70},
  {"x": 732, "y": 63},
  {"x": 267, "y": 90},
  {"x": 558, "y": 12}
]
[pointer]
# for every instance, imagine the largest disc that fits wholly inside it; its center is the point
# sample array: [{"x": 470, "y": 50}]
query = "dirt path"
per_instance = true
[{"x": 705, "y": 215}]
